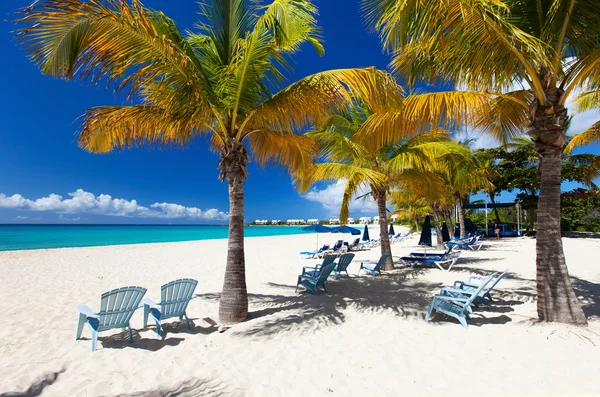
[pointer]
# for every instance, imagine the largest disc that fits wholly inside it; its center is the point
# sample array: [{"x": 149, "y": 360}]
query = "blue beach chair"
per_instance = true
[
  {"x": 174, "y": 299},
  {"x": 447, "y": 258},
  {"x": 342, "y": 265},
  {"x": 315, "y": 269},
  {"x": 116, "y": 308},
  {"x": 314, "y": 254},
  {"x": 471, "y": 285},
  {"x": 375, "y": 269},
  {"x": 455, "y": 305},
  {"x": 314, "y": 281}
]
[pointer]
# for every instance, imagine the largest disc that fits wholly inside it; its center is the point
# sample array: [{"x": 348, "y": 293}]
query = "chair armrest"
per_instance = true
[
  {"x": 87, "y": 311},
  {"x": 458, "y": 284},
  {"x": 148, "y": 302},
  {"x": 307, "y": 277},
  {"x": 307, "y": 269},
  {"x": 458, "y": 291},
  {"x": 451, "y": 299}
]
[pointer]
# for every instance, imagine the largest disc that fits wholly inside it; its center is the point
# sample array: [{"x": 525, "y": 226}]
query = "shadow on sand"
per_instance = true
[
  {"x": 37, "y": 387},
  {"x": 189, "y": 388}
]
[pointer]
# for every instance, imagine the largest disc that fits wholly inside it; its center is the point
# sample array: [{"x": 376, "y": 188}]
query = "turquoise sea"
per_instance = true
[{"x": 27, "y": 237}]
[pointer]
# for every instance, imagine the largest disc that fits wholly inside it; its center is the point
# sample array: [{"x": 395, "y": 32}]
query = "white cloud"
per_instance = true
[
  {"x": 81, "y": 201},
  {"x": 331, "y": 199}
]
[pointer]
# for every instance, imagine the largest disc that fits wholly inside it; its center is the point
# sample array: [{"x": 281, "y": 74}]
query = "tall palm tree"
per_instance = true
[
  {"x": 534, "y": 55},
  {"x": 343, "y": 156},
  {"x": 226, "y": 80}
]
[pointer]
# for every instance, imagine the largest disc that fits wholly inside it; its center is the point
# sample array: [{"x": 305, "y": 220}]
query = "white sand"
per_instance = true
[{"x": 366, "y": 337}]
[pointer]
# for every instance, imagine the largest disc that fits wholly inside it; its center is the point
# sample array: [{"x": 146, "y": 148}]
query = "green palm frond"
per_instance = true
[{"x": 586, "y": 137}]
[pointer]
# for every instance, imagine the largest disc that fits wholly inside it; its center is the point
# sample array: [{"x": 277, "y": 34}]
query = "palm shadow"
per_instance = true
[
  {"x": 37, "y": 387},
  {"x": 589, "y": 296},
  {"x": 188, "y": 388}
]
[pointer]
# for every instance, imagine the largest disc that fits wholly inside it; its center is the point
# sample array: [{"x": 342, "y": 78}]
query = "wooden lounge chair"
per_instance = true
[
  {"x": 342, "y": 265},
  {"x": 471, "y": 285},
  {"x": 174, "y": 299},
  {"x": 313, "y": 281},
  {"x": 455, "y": 306},
  {"x": 116, "y": 308},
  {"x": 374, "y": 269}
]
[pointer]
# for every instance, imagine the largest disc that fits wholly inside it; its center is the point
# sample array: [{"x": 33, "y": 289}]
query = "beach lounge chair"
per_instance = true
[
  {"x": 471, "y": 285},
  {"x": 455, "y": 306},
  {"x": 473, "y": 244},
  {"x": 446, "y": 259},
  {"x": 432, "y": 255},
  {"x": 314, "y": 254},
  {"x": 374, "y": 269},
  {"x": 355, "y": 246},
  {"x": 313, "y": 281},
  {"x": 342, "y": 265},
  {"x": 174, "y": 299},
  {"x": 116, "y": 308}
]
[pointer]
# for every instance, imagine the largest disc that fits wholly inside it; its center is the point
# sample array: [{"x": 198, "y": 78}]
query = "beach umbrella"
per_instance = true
[
  {"x": 365, "y": 236},
  {"x": 445, "y": 233},
  {"x": 426, "y": 233},
  {"x": 392, "y": 232},
  {"x": 317, "y": 228},
  {"x": 346, "y": 229}
]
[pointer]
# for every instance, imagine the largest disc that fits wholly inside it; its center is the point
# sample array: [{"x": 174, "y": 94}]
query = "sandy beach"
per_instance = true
[{"x": 365, "y": 337}]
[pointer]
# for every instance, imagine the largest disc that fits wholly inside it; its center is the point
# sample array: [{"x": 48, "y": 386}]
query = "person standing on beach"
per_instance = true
[{"x": 497, "y": 231}]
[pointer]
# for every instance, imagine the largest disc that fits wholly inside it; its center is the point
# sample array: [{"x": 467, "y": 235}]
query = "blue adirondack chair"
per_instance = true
[
  {"x": 116, "y": 308},
  {"x": 375, "y": 269},
  {"x": 455, "y": 305},
  {"x": 342, "y": 265},
  {"x": 314, "y": 281},
  {"x": 174, "y": 299},
  {"x": 315, "y": 269},
  {"x": 472, "y": 284}
]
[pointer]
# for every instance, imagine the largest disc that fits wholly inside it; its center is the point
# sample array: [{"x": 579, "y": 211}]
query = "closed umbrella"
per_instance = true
[
  {"x": 392, "y": 232},
  {"x": 365, "y": 236},
  {"x": 425, "y": 239},
  {"x": 445, "y": 233},
  {"x": 317, "y": 228}
]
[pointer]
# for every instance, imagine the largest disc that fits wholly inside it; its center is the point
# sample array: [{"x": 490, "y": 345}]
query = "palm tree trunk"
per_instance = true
[
  {"x": 233, "y": 306},
  {"x": 493, "y": 201},
  {"x": 556, "y": 298},
  {"x": 461, "y": 217},
  {"x": 438, "y": 227},
  {"x": 381, "y": 196}
]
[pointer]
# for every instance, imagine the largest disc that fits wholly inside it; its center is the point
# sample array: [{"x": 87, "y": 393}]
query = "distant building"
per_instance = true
[
  {"x": 275, "y": 222},
  {"x": 394, "y": 217},
  {"x": 312, "y": 221},
  {"x": 261, "y": 221},
  {"x": 351, "y": 221},
  {"x": 376, "y": 220},
  {"x": 363, "y": 220},
  {"x": 334, "y": 221}
]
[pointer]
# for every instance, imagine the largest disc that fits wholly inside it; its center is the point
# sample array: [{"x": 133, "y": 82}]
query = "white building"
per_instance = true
[
  {"x": 363, "y": 220},
  {"x": 394, "y": 217},
  {"x": 376, "y": 220},
  {"x": 261, "y": 221},
  {"x": 351, "y": 221},
  {"x": 334, "y": 221},
  {"x": 312, "y": 221},
  {"x": 275, "y": 222}
]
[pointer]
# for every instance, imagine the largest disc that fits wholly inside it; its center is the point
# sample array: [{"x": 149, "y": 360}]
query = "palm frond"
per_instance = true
[
  {"x": 586, "y": 137},
  {"x": 286, "y": 149}
]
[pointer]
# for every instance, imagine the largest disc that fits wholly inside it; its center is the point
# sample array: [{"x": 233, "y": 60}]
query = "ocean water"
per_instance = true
[{"x": 27, "y": 237}]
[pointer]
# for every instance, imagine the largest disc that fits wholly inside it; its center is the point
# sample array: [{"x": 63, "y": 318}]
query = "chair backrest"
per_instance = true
[
  {"x": 117, "y": 307},
  {"x": 324, "y": 274},
  {"x": 355, "y": 243},
  {"x": 338, "y": 245},
  {"x": 328, "y": 259},
  {"x": 325, "y": 247},
  {"x": 381, "y": 261},
  {"x": 345, "y": 261},
  {"x": 497, "y": 280},
  {"x": 175, "y": 296},
  {"x": 476, "y": 293}
]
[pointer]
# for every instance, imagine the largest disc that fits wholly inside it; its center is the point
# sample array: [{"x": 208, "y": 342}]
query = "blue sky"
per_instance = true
[{"x": 39, "y": 158}]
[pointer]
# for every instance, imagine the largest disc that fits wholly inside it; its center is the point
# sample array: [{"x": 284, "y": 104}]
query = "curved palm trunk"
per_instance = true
[
  {"x": 493, "y": 201},
  {"x": 233, "y": 306},
  {"x": 438, "y": 227},
  {"x": 461, "y": 217},
  {"x": 556, "y": 298},
  {"x": 380, "y": 197}
]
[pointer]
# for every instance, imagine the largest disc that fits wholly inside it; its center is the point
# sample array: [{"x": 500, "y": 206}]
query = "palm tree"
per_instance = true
[
  {"x": 343, "y": 156},
  {"x": 533, "y": 55},
  {"x": 226, "y": 81}
]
